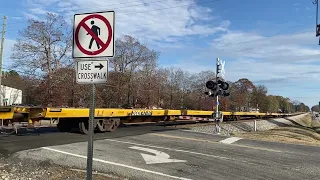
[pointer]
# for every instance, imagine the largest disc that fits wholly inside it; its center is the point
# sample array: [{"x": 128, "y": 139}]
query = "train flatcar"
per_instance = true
[{"x": 109, "y": 119}]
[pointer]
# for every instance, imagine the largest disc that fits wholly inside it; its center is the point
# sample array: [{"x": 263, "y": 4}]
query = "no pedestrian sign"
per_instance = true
[
  {"x": 92, "y": 72},
  {"x": 93, "y": 35}
]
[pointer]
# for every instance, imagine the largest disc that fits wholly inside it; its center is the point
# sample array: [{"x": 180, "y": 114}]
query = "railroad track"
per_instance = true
[
  {"x": 53, "y": 127},
  {"x": 108, "y": 120}
]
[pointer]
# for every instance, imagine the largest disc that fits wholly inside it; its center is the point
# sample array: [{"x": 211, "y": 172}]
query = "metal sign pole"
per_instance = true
[
  {"x": 217, "y": 107},
  {"x": 217, "y": 99},
  {"x": 90, "y": 133},
  {"x": 92, "y": 71}
]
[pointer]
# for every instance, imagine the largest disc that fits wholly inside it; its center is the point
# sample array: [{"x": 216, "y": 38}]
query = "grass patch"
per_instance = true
[
  {"x": 305, "y": 121},
  {"x": 315, "y": 124},
  {"x": 294, "y": 135}
]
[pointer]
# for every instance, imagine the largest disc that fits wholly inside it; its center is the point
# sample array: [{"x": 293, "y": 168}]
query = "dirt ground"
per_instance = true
[
  {"x": 13, "y": 168},
  {"x": 303, "y": 131}
]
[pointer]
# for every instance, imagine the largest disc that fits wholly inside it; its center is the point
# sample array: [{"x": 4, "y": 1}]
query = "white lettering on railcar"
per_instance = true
[{"x": 141, "y": 113}]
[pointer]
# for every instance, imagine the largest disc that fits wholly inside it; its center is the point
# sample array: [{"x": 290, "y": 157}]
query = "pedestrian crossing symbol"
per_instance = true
[{"x": 93, "y": 35}]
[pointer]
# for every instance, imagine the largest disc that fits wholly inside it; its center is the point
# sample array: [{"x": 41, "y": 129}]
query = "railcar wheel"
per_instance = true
[
  {"x": 110, "y": 125},
  {"x": 84, "y": 126},
  {"x": 113, "y": 125},
  {"x": 7, "y": 128},
  {"x": 102, "y": 125}
]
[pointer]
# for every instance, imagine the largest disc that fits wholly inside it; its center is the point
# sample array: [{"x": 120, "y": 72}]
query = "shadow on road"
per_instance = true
[{"x": 50, "y": 136}]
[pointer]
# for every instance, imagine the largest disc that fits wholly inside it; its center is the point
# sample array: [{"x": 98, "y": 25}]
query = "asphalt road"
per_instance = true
[{"x": 153, "y": 152}]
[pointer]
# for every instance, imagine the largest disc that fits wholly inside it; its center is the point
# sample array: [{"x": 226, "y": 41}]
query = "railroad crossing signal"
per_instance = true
[
  {"x": 217, "y": 88},
  {"x": 93, "y": 35}
]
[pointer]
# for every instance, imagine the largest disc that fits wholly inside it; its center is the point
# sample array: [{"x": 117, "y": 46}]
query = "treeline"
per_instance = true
[
  {"x": 47, "y": 76},
  {"x": 315, "y": 108}
]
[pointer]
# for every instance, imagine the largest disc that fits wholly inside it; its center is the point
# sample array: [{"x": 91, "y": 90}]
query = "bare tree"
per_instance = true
[
  {"x": 130, "y": 56},
  {"x": 43, "y": 46},
  {"x": 259, "y": 97}
]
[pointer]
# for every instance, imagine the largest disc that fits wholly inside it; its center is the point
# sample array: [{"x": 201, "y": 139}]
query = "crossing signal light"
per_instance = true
[
  {"x": 210, "y": 93},
  {"x": 218, "y": 88},
  {"x": 211, "y": 85},
  {"x": 223, "y": 85}
]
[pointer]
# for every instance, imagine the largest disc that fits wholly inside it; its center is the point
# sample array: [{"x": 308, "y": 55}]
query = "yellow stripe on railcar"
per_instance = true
[
  {"x": 106, "y": 112},
  {"x": 248, "y": 114},
  {"x": 6, "y": 113},
  {"x": 198, "y": 113},
  {"x": 84, "y": 112}
]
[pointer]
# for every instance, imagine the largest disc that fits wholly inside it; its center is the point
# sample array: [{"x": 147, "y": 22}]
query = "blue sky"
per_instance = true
[{"x": 269, "y": 42}]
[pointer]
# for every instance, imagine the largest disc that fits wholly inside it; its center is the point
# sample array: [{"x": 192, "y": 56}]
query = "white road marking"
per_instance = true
[
  {"x": 116, "y": 164},
  {"x": 230, "y": 140},
  {"x": 171, "y": 149},
  {"x": 160, "y": 157},
  {"x": 196, "y": 131}
]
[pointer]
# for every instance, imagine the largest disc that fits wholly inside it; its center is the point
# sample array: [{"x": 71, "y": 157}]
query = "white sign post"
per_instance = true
[{"x": 93, "y": 37}]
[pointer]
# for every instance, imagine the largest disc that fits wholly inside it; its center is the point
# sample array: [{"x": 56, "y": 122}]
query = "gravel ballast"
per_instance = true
[{"x": 229, "y": 129}]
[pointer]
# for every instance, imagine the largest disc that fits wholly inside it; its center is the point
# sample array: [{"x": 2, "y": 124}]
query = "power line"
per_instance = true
[
  {"x": 159, "y": 9},
  {"x": 140, "y": 24},
  {"x": 102, "y": 7}
]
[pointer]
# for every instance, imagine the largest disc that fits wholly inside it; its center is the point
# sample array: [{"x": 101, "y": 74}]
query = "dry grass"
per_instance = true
[
  {"x": 81, "y": 174},
  {"x": 305, "y": 121},
  {"x": 303, "y": 134},
  {"x": 315, "y": 124},
  {"x": 38, "y": 171}
]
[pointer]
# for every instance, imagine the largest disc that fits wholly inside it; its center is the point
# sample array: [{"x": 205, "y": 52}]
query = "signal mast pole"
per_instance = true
[
  {"x": 217, "y": 98},
  {"x": 217, "y": 87},
  {"x": 218, "y": 118},
  {"x": 317, "y": 25}
]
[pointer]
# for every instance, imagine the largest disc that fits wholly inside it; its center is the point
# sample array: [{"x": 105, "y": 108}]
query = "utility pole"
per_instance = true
[{"x": 1, "y": 56}]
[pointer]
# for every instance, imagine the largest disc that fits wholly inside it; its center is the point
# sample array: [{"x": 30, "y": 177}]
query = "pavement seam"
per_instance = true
[
  {"x": 214, "y": 142},
  {"x": 171, "y": 149}
]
